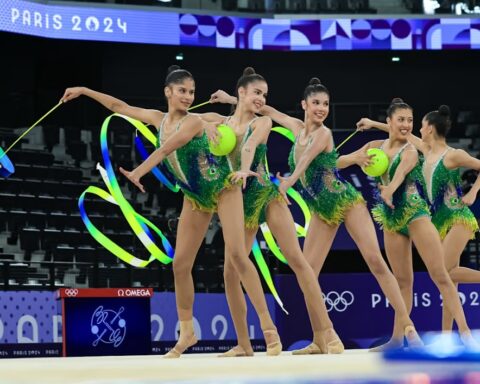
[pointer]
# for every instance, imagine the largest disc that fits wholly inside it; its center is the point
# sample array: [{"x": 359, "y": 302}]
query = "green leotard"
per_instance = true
[
  {"x": 408, "y": 198},
  {"x": 200, "y": 175},
  {"x": 256, "y": 196},
  {"x": 445, "y": 197},
  {"x": 323, "y": 189}
]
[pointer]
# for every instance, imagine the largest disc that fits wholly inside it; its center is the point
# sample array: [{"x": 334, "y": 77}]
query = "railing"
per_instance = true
[{"x": 51, "y": 275}]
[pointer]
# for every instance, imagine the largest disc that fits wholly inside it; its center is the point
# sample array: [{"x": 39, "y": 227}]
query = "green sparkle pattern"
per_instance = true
[
  {"x": 200, "y": 175},
  {"x": 324, "y": 191},
  {"x": 446, "y": 203},
  {"x": 407, "y": 199},
  {"x": 256, "y": 197}
]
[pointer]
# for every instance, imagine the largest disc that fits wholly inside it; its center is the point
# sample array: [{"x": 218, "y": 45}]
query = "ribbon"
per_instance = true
[{"x": 141, "y": 226}]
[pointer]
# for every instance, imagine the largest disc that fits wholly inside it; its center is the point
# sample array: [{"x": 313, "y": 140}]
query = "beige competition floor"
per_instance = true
[{"x": 357, "y": 366}]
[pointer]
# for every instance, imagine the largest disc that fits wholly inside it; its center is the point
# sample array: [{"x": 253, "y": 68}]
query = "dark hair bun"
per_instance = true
[
  {"x": 248, "y": 71},
  {"x": 172, "y": 68},
  {"x": 314, "y": 81},
  {"x": 444, "y": 110},
  {"x": 397, "y": 100}
]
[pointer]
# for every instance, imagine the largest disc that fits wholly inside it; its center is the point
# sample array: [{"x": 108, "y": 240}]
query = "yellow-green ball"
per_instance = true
[
  {"x": 378, "y": 163},
  {"x": 225, "y": 143}
]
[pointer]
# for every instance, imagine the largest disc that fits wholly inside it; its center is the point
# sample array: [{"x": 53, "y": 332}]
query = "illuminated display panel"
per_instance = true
[{"x": 170, "y": 28}]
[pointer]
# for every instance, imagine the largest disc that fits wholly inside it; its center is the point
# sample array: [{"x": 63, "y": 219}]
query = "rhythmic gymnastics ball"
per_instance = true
[
  {"x": 225, "y": 143},
  {"x": 378, "y": 163}
]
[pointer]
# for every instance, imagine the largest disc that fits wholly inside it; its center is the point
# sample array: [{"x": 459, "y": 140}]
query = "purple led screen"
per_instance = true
[{"x": 138, "y": 25}]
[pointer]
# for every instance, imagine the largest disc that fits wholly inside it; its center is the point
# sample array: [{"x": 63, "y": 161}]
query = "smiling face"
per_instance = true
[
  {"x": 401, "y": 123},
  {"x": 253, "y": 96},
  {"x": 317, "y": 107},
  {"x": 180, "y": 95}
]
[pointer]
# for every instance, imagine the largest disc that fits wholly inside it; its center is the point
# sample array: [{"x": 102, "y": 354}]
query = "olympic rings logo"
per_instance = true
[
  {"x": 71, "y": 292},
  {"x": 338, "y": 301}
]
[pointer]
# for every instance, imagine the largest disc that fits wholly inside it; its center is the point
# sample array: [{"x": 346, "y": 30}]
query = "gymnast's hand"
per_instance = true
[
  {"x": 133, "y": 178},
  {"x": 283, "y": 187},
  {"x": 222, "y": 97},
  {"x": 243, "y": 175},
  {"x": 212, "y": 133},
  {"x": 386, "y": 195},
  {"x": 469, "y": 198},
  {"x": 71, "y": 93},
  {"x": 363, "y": 160},
  {"x": 364, "y": 123}
]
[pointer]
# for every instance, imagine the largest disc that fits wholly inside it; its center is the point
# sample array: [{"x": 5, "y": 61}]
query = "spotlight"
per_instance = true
[{"x": 429, "y": 6}]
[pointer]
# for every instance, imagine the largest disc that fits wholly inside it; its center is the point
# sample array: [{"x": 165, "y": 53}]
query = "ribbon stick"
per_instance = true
[
  {"x": 344, "y": 141},
  {"x": 33, "y": 126},
  {"x": 199, "y": 105},
  {"x": 6, "y": 166}
]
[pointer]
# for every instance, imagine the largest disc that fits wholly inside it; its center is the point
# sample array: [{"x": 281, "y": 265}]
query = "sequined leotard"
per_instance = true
[
  {"x": 200, "y": 175},
  {"x": 325, "y": 192},
  {"x": 256, "y": 197},
  {"x": 444, "y": 193},
  {"x": 408, "y": 199}
]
